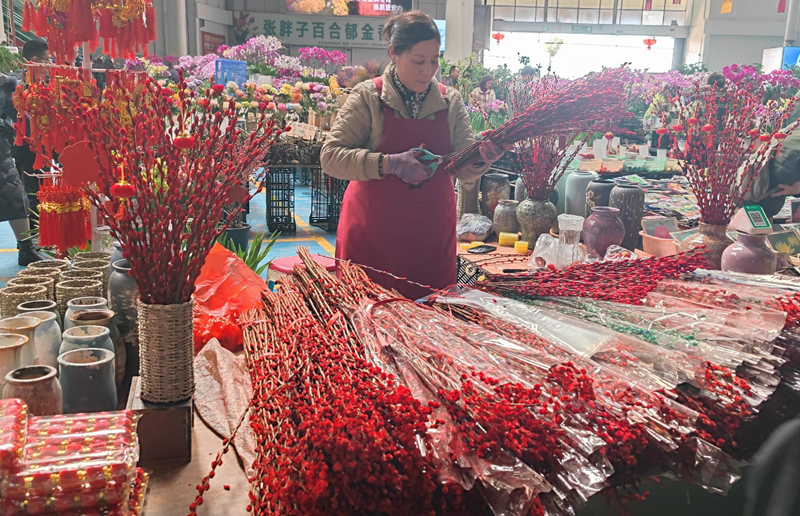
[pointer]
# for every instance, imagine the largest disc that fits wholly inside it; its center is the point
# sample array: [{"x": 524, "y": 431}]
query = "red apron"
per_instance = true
[{"x": 389, "y": 225}]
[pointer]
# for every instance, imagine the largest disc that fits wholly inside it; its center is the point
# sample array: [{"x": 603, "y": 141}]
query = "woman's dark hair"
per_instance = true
[
  {"x": 404, "y": 30},
  {"x": 484, "y": 84}
]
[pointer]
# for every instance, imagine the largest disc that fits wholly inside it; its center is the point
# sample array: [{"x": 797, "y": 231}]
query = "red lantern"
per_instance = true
[
  {"x": 497, "y": 36},
  {"x": 649, "y": 42}
]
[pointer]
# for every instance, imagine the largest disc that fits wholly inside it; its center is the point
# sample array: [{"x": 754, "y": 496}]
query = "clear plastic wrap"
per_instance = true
[
  {"x": 13, "y": 426},
  {"x": 473, "y": 227},
  {"x": 73, "y": 463}
]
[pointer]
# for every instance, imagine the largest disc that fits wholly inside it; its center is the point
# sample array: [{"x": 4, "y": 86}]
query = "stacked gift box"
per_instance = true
[{"x": 69, "y": 464}]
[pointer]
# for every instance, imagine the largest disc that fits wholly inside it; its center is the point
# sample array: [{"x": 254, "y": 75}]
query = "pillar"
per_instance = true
[{"x": 460, "y": 16}]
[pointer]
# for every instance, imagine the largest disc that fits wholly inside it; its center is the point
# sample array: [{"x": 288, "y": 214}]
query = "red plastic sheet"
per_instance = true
[{"x": 225, "y": 287}]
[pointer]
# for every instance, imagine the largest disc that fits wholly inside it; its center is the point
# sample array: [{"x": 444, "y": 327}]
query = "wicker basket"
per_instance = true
[
  {"x": 54, "y": 274},
  {"x": 71, "y": 289},
  {"x": 102, "y": 266},
  {"x": 45, "y": 281},
  {"x": 11, "y": 297},
  {"x": 166, "y": 352},
  {"x": 61, "y": 265},
  {"x": 82, "y": 257},
  {"x": 82, "y": 274}
]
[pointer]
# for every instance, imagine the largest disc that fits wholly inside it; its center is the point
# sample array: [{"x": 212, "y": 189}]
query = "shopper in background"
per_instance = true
[
  {"x": 452, "y": 77},
  {"x": 13, "y": 200},
  {"x": 398, "y": 215},
  {"x": 484, "y": 93},
  {"x": 34, "y": 51}
]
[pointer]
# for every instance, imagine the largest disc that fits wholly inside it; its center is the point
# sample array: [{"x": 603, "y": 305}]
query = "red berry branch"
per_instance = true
[
  {"x": 724, "y": 128},
  {"x": 567, "y": 109},
  {"x": 165, "y": 175}
]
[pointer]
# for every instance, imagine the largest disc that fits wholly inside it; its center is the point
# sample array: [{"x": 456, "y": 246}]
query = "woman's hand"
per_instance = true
[
  {"x": 406, "y": 166},
  {"x": 491, "y": 152},
  {"x": 787, "y": 190}
]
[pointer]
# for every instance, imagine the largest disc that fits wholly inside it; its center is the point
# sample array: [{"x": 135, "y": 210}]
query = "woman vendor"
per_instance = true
[{"x": 398, "y": 216}]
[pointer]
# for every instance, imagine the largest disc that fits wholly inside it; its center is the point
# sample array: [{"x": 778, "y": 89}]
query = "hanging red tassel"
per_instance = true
[
  {"x": 81, "y": 22},
  {"x": 28, "y": 17},
  {"x": 150, "y": 20},
  {"x": 781, "y": 6}
]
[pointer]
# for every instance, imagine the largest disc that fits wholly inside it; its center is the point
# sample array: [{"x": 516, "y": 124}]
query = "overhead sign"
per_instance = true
[
  {"x": 322, "y": 31},
  {"x": 582, "y": 29},
  {"x": 211, "y": 42},
  {"x": 442, "y": 26}
]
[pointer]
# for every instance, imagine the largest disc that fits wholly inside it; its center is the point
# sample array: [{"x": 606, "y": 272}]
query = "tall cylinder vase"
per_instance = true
[
  {"x": 575, "y": 203},
  {"x": 598, "y": 193},
  {"x": 86, "y": 376},
  {"x": 716, "y": 240},
  {"x": 166, "y": 352},
  {"x": 495, "y": 187},
  {"x": 535, "y": 218},
  {"x": 629, "y": 200}
]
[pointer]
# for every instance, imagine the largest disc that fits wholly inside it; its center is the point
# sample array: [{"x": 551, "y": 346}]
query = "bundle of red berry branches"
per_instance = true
[
  {"x": 625, "y": 281},
  {"x": 542, "y": 160},
  {"x": 724, "y": 127},
  {"x": 165, "y": 175},
  {"x": 569, "y": 108},
  {"x": 336, "y": 435}
]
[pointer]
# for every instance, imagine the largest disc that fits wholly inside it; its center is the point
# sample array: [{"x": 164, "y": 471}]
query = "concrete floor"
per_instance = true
[{"x": 317, "y": 240}]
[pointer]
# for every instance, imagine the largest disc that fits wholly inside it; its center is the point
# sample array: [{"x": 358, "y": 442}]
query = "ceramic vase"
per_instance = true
[
  {"x": 104, "y": 318},
  {"x": 602, "y": 229},
  {"x": 520, "y": 193},
  {"x": 535, "y": 218},
  {"x": 749, "y": 254},
  {"x": 575, "y": 201},
  {"x": 629, "y": 200},
  {"x": 44, "y": 305},
  {"x": 598, "y": 193},
  {"x": 38, "y": 387},
  {"x": 716, "y": 240},
  {"x": 123, "y": 293},
  {"x": 25, "y": 326},
  {"x": 83, "y": 303},
  {"x": 495, "y": 187},
  {"x": 505, "y": 217},
  {"x": 79, "y": 337},
  {"x": 10, "y": 350},
  {"x": 467, "y": 192},
  {"x": 47, "y": 338},
  {"x": 116, "y": 255},
  {"x": 561, "y": 189},
  {"x": 87, "y": 380}
]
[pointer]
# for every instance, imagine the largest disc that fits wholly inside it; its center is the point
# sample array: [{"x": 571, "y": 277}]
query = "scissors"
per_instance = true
[{"x": 426, "y": 155}]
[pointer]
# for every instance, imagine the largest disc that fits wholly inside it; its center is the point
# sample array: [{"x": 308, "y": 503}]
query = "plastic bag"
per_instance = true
[
  {"x": 13, "y": 423},
  {"x": 225, "y": 287},
  {"x": 474, "y": 227}
]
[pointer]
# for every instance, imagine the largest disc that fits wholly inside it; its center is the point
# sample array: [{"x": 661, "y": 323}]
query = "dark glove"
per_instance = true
[{"x": 406, "y": 167}]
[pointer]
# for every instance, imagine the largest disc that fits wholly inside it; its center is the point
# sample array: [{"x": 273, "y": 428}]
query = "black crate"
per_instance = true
[
  {"x": 280, "y": 199},
  {"x": 467, "y": 274},
  {"x": 327, "y": 194}
]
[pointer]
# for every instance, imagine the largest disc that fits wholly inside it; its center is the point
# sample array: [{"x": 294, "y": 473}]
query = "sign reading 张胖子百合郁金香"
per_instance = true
[{"x": 322, "y": 31}]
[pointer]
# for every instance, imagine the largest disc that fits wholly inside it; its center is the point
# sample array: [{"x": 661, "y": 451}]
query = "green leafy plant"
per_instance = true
[
  {"x": 9, "y": 62},
  {"x": 256, "y": 252},
  {"x": 262, "y": 68},
  {"x": 691, "y": 69}
]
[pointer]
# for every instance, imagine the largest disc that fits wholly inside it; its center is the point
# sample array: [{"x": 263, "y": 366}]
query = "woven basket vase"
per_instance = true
[
  {"x": 71, "y": 289},
  {"x": 166, "y": 352},
  {"x": 82, "y": 257},
  {"x": 87, "y": 274},
  {"x": 99, "y": 266},
  {"x": 11, "y": 297},
  {"x": 60, "y": 265},
  {"x": 45, "y": 281},
  {"x": 54, "y": 274}
]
